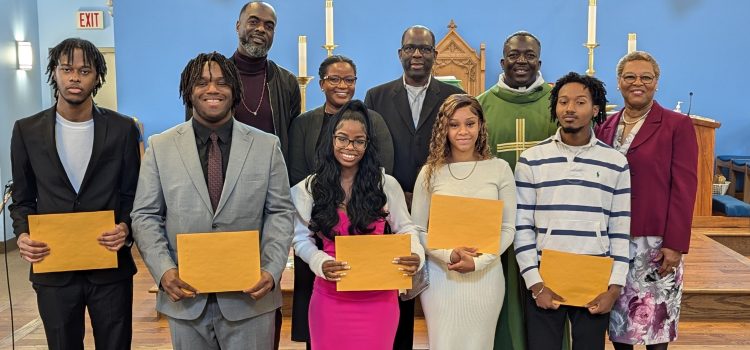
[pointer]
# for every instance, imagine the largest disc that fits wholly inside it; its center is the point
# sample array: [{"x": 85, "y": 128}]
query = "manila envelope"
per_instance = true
[
  {"x": 72, "y": 241},
  {"x": 465, "y": 222},
  {"x": 371, "y": 260},
  {"x": 219, "y": 261},
  {"x": 575, "y": 277}
]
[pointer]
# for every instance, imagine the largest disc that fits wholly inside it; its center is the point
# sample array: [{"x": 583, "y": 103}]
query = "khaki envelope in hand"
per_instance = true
[
  {"x": 575, "y": 277},
  {"x": 465, "y": 222},
  {"x": 371, "y": 260},
  {"x": 72, "y": 241},
  {"x": 219, "y": 261}
]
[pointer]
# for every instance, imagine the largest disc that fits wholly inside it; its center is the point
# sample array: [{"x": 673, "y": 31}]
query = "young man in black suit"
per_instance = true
[
  {"x": 409, "y": 106},
  {"x": 77, "y": 157}
]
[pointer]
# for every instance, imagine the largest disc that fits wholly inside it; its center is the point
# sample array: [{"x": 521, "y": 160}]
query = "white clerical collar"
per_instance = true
[{"x": 522, "y": 89}]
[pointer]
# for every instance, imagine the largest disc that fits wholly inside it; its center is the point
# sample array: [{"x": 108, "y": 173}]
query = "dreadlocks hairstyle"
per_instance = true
[
  {"x": 334, "y": 59},
  {"x": 593, "y": 85},
  {"x": 367, "y": 201},
  {"x": 193, "y": 71},
  {"x": 440, "y": 148},
  {"x": 91, "y": 57}
]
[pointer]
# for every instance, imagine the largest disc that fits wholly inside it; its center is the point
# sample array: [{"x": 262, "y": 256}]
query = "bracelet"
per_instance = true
[{"x": 537, "y": 294}]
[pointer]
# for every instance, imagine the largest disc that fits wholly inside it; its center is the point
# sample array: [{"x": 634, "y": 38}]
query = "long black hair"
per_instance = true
[
  {"x": 367, "y": 201},
  {"x": 193, "y": 71},
  {"x": 91, "y": 57},
  {"x": 593, "y": 85}
]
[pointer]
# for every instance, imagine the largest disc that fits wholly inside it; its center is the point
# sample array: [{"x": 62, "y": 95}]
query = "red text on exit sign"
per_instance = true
[{"x": 90, "y": 19}]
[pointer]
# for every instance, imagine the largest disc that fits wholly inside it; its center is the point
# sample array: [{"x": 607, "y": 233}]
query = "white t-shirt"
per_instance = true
[{"x": 74, "y": 144}]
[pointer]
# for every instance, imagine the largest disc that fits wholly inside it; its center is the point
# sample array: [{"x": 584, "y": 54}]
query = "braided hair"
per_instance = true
[
  {"x": 91, "y": 57},
  {"x": 593, "y": 85},
  {"x": 192, "y": 74}
]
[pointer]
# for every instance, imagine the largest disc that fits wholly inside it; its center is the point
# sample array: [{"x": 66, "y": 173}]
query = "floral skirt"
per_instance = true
[{"x": 648, "y": 310}]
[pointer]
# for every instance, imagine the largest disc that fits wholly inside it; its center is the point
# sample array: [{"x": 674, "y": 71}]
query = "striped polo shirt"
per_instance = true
[{"x": 574, "y": 199}]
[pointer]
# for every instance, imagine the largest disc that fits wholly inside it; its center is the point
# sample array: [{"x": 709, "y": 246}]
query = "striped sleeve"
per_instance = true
[
  {"x": 619, "y": 229},
  {"x": 524, "y": 241}
]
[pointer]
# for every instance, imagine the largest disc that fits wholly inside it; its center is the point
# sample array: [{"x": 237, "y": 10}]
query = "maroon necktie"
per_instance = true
[{"x": 215, "y": 176}]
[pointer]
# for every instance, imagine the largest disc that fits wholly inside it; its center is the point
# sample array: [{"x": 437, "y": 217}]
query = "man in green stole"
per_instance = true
[{"x": 518, "y": 117}]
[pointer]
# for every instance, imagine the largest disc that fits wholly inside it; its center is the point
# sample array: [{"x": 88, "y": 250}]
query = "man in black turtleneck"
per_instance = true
[{"x": 271, "y": 97}]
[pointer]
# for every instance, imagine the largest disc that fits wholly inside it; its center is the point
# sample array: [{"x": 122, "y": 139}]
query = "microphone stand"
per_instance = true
[{"x": 6, "y": 197}]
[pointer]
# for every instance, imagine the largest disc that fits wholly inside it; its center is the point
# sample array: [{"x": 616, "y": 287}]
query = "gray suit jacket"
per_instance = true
[{"x": 172, "y": 198}]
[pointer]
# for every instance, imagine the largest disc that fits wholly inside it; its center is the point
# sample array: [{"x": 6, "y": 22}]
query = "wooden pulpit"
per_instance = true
[{"x": 705, "y": 132}]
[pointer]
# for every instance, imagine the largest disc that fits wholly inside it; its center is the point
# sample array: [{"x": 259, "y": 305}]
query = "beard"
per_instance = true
[
  {"x": 253, "y": 50},
  {"x": 570, "y": 130}
]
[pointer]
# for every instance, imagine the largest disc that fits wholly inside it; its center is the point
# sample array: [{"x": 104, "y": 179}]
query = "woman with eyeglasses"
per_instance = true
[
  {"x": 338, "y": 79},
  {"x": 349, "y": 194},
  {"x": 662, "y": 153}
]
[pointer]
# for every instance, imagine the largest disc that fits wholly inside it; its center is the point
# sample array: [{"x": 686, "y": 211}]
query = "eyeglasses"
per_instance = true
[
  {"x": 343, "y": 142},
  {"x": 424, "y": 49},
  {"x": 336, "y": 80},
  {"x": 631, "y": 78}
]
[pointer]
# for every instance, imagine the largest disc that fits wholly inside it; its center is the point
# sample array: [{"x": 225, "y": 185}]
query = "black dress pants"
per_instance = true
[
  {"x": 405, "y": 331},
  {"x": 110, "y": 308},
  {"x": 544, "y": 328}
]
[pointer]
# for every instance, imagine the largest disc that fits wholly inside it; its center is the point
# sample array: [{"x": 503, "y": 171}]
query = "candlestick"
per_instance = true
[
  {"x": 631, "y": 42},
  {"x": 302, "y": 64},
  {"x": 329, "y": 48},
  {"x": 329, "y": 22},
  {"x": 303, "y": 81},
  {"x": 590, "y": 71},
  {"x": 592, "y": 22}
]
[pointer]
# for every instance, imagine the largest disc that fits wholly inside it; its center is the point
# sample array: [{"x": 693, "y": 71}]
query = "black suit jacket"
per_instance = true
[
  {"x": 410, "y": 145},
  {"x": 41, "y": 186},
  {"x": 303, "y": 141}
]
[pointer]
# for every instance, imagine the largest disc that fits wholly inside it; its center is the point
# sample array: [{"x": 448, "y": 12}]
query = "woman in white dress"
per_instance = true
[{"x": 466, "y": 290}]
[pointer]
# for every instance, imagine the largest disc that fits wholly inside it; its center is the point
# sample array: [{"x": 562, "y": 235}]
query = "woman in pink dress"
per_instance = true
[{"x": 349, "y": 194}]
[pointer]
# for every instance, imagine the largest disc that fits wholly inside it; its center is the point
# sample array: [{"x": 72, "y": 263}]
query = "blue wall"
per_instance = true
[
  {"x": 57, "y": 22},
  {"x": 700, "y": 44},
  {"x": 19, "y": 91}
]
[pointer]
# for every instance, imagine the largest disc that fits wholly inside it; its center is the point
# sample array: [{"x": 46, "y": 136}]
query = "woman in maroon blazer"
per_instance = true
[{"x": 662, "y": 152}]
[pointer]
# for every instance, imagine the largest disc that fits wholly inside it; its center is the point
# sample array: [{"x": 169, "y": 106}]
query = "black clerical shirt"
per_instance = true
[{"x": 203, "y": 142}]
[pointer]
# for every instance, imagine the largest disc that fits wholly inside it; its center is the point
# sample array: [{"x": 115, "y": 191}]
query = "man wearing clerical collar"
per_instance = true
[
  {"x": 518, "y": 117},
  {"x": 271, "y": 97},
  {"x": 519, "y": 100}
]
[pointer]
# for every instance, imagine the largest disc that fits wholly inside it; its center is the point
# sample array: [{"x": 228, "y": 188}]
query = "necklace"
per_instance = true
[
  {"x": 465, "y": 177},
  {"x": 260, "y": 103},
  {"x": 635, "y": 121}
]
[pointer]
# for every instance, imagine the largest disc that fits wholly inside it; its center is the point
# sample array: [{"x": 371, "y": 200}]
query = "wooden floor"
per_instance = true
[{"x": 717, "y": 295}]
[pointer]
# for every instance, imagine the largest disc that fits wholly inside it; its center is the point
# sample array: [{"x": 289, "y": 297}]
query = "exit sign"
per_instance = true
[{"x": 90, "y": 19}]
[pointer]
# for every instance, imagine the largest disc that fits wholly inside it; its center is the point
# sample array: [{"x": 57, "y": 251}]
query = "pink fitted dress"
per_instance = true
[{"x": 365, "y": 320}]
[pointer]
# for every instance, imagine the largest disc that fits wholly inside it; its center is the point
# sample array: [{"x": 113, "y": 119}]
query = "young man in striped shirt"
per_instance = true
[{"x": 573, "y": 196}]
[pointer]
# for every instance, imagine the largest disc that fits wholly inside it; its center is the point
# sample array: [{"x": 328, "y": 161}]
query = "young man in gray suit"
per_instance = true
[{"x": 214, "y": 174}]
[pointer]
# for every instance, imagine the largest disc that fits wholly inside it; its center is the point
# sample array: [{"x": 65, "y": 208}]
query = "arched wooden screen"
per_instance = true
[{"x": 457, "y": 58}]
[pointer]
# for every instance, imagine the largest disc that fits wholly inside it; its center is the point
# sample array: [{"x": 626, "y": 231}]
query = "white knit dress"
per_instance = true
[{"x": 462, "y": 309}]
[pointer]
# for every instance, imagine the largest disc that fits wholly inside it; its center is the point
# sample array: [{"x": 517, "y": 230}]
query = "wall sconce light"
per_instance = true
[{"x": 25, "y": 55}]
